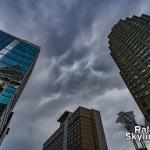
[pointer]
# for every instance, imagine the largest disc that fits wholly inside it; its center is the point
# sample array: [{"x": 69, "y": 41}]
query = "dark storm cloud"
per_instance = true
[
  {"x": 75, "y": 19},
  {"x": 74, "y": 67}
]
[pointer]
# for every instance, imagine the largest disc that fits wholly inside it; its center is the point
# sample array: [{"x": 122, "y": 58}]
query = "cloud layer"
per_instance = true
[{"x": 74, "y": 67}]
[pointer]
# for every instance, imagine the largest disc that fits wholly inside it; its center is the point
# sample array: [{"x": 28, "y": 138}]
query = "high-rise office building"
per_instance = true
[
  {"x": 80, "y": 130},
  {"x": 130, "y": 48},
  {"x": 17, "y": 59}
]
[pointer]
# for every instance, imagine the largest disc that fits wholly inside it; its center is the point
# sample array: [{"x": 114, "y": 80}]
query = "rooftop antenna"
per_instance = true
[{"x": 129, "y": 122}]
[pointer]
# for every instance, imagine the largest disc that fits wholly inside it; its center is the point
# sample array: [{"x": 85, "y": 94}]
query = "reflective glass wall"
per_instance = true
[{"x": 17, "y": 58}]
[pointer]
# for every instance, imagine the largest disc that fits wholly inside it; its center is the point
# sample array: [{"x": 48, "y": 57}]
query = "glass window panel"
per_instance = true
[
  {"x": 19, "y": 58},
  {"x": 4, "y": 42},
  {"x": 23, "y": 53},
  {"x": 29, "y": 47},
  {"x": 6, "y": 93},
  {"x": 15, "y": 63},
  {"x": 4, "y": 64},
  {"x": 23, "y": 48},
  {"x": 11, "y": 89},
  {"x": 4, "y": 99}
]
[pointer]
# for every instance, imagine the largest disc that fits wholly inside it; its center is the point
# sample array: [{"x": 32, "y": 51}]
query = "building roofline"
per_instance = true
[
  {"x": 34, "y": 45},
  {"x": 63, "y": 117}
]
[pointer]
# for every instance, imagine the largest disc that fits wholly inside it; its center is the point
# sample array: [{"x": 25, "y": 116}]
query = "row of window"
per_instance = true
[
  {"x": 123, "y": 59},
  {"x": 56, "y": 144},
  {"x": 7, "y": 95},
  {"x": 140, "y": 23}
]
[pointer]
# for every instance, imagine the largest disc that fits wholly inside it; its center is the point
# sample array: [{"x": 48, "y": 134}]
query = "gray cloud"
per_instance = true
[{"x": 74, "y": 67}]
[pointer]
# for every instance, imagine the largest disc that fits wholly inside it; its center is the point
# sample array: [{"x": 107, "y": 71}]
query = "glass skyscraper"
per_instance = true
[
  {"x": 130, "y": 48},
  {"x": 17, "y": 59}
]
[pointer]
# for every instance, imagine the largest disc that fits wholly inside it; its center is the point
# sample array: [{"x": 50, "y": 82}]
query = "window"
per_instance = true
[
  {"x": 148, "y": 111},
  {"x": 144, "y": 104}
]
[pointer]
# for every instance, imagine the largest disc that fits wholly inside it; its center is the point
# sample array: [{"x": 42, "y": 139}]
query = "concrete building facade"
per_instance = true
[
  {"x": 80, "y": 130},
  {"x": 129, "y": 43}
]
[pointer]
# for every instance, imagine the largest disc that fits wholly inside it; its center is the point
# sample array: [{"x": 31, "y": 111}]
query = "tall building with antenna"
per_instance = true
[
  {"x": 17, "y": 59},
  {"x": 129, "y": 43}
]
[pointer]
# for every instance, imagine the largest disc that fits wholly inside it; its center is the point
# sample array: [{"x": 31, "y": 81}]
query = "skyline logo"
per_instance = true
[{"x": 139, "y": 134}]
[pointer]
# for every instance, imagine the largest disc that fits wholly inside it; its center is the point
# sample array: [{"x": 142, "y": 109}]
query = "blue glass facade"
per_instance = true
[{"x": 17, "y": 59}]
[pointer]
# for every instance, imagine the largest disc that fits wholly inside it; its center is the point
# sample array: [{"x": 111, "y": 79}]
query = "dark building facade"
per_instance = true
[
  {"x": 80, "y": 130},
  {"x": 17, "y": 59},
  {"x": 129, "y": 43}
]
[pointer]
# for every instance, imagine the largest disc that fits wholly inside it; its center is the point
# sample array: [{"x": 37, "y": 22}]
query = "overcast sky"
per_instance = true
[{"x": 74, "y": 67}]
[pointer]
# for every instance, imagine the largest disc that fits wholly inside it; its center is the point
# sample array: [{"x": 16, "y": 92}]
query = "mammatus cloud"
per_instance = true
[{"x": 74, "y": 67}]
